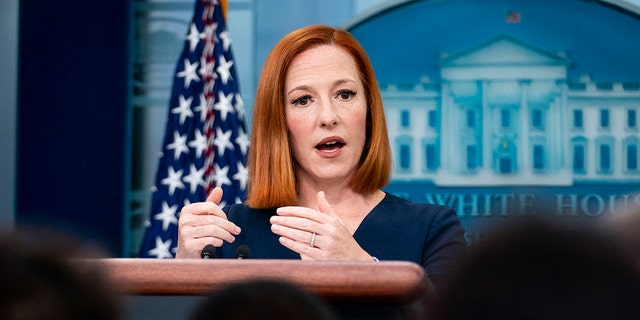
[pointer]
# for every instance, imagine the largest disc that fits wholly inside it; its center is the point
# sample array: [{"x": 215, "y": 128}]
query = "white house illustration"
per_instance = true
[{"x": 505, "y": 113}]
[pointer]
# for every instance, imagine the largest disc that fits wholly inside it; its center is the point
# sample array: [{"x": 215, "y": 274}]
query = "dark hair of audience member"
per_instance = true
[
  {"x": 544, "y": 270},
  {"x": 263, "y": 299},
  {"x": 625, "y": 227},
  {"x": 40, "y": 280}
]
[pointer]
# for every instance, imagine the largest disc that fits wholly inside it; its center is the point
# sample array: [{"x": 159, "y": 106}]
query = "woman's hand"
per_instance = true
[
  {"x": 204, "y": 223},
  {"x": 296, "y": 227}
]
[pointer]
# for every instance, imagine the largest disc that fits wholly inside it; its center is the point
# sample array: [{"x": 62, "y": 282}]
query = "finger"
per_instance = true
[
  {"x": 300, "y": 212},
  {"x": 215, "y": 195},
  {"x": 218, "y": 222},
  {"x": 206, "y": 213},
  {"x": 324, "y": 205},
  {"x": 304, "y": 249},
  {"x": 213, "y": 234},
  {"x": 203, "y": 208},
  {"x": 301, "y": 236},
  {"x": 294, "y": 222}
]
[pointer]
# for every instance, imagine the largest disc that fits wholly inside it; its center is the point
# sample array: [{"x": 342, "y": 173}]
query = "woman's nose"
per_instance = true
[{"x": 327, "y": 114}]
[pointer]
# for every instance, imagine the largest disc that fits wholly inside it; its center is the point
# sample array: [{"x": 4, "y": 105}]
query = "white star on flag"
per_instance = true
[
  {"x": 195, "y": 178},
  {"x": 223, "y": 70},
  {"x": 221, "y": 177},
  {"x": 194, "y": 37},
  {"x": 189, "y": 73},
  {"x": 222, "y": 141},
  {"x": 179, "y": 145},
  {"x": 243, "y": 142},
  {"x": 199, "y": 143},
  {"x": 183, "y": 109},
  {"x": 167, "y": 216},
  {"x": 202, "y": 108},
  {"x": 241, "y": 176},
  {"x": 173, "y": 180},
  {"x": 226, "y": 40},
  {"x": 239, "y": 106},
  {"x": 161, "y": 250},
  {"x": 224, "y": 105}
]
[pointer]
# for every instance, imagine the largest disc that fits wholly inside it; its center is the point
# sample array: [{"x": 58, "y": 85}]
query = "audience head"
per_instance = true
[
  {"x": 270, "y": 144},
  {"x": 625, "y": 227},
  {"x": 544, "y": 270},
  {"x": 263, "y": 299},
  {"x": 39, "y": 280}
]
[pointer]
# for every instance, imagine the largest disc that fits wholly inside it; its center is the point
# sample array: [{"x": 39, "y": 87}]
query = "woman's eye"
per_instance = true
[
  {"x": 301, "y": 101},
  {"x": 346, "y": 94}
]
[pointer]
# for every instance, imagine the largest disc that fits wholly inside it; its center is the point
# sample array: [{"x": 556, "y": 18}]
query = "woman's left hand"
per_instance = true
[{"x": 316, "y": 234}]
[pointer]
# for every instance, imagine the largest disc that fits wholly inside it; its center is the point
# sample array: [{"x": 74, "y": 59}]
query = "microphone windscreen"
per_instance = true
[
  {"x": 208, "y": 252},
  {"x": 243, "y": 252}
]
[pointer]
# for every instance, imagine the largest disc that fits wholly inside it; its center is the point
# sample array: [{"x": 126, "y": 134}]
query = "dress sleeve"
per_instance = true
[{"x": 445, "y": 246}]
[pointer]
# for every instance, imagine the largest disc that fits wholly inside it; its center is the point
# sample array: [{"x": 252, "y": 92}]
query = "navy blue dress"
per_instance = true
[{"x": 396, "y": 229}]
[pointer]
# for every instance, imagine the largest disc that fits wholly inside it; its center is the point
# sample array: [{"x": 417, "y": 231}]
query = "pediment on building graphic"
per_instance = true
[{"x": 503, "y": 50}]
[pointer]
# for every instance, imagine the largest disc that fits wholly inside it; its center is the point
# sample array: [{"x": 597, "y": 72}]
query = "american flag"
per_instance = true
[
  {"x": 512, "y": 17},
  {"x": 205, "y": 142}
]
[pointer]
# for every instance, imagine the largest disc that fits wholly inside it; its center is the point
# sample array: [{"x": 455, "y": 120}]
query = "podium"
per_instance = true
[{"x": 397, "y": 283}]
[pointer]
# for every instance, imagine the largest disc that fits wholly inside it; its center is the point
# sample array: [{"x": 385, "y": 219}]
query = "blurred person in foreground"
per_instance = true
[
  {"x": 40, "y": 280},
  {"x": 624, "y": 226},
  {"x": 263, "y": 299},
  {"x": 543, "y": 269}
]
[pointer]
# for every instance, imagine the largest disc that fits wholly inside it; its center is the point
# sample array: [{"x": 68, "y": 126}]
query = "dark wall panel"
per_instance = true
[{"x": 73, "y": 102}]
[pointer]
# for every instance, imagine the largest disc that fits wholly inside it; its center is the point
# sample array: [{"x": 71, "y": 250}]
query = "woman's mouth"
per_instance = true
[{"x": 330, "y": 145}]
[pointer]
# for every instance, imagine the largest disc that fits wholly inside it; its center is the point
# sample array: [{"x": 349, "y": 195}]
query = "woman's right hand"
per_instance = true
[{"x": 203, "y": 223}]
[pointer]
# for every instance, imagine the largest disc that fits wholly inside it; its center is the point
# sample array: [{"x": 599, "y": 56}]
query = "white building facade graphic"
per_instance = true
[{"x": 504, "y": 113}]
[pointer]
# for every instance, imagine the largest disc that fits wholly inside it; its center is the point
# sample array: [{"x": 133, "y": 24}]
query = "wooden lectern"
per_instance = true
[{"x": 398, "y": 283}]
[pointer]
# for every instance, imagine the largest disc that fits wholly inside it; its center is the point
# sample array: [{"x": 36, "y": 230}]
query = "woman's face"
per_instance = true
[{"x": 326, "y": 113}]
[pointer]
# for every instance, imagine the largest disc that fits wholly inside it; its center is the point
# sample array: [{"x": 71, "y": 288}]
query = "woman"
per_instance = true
[{"x": 319, "y": 157}]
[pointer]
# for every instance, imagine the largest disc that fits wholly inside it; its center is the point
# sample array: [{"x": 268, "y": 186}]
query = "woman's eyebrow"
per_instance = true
[
  {"x": 308, "y": 88},
  {"x": 302, "y": 88}
]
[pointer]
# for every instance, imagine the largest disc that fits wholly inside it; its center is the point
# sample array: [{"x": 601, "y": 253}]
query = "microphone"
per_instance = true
[
  {"x": 243, "y": 252},
  {"x": 208, "y": 252}
]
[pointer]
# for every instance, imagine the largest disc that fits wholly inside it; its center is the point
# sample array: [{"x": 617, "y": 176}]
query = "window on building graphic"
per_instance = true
[
  {"x": 431, "y": 157},
  {"x": 433, "y": 119},
  {"x": 405, "y": 120},
  {"x": 631, "y": 119},
  {"x": 577, "y": 119},
  {"x": 578, "y": 158},
  {"x": 538, "y": 157},
  {"x": 630, "y": 147},
  {"x": 604, "y": 118},
  {"x": 537, "y": 121},
  {"x": 505, "y": 118},
  {"x": 632, "y": 157},
  {"x": 471, "y": 118},
  {"x": 505, "y": 165},
  {"x": 605, "y": 158},
  {"x": 579, "y": 155},
  {"x": 405, "y": 157},
  {"x": 472, "y": 162}
]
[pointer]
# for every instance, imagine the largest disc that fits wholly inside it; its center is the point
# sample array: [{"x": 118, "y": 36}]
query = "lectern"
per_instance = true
[{"x": 398, "y": 283}]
